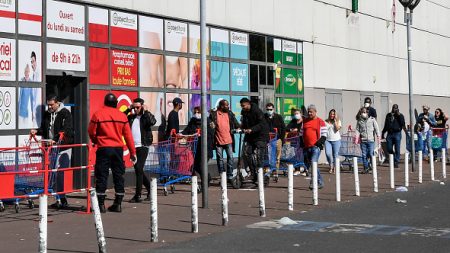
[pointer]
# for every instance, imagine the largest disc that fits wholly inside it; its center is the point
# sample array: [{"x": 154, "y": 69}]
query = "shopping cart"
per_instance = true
[
  {"x": 438, "y": 140},
  {"x": 172, "y": 160},
  {"x": 270, "y": 156},
  {"x": 349, "y": 148},
  {"x": 292, "y": 152}
]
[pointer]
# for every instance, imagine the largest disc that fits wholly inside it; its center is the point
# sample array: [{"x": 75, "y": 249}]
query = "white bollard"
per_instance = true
[
  {"x": 420, "y": 158},
  {"x": 314, "y": 180},
  {"x": 431, "y": 156},
  {"x": 101, "y": 241},
  {"x": 223, "y": 184},
  {"x": 391, "y": 170},
  {"x": 356, "y": 175},
  {"x": 262, "y": 204},
  {"x": 153, "y": 210},
  {"x": 375, "y": 174},
  {"x": 338, "y": 179},
  {"x": 290, "y": 187},
  {"x": 444, "y": 165},
  {"x": 194, "y": 210},
  {"x": 406, "y": 169},
  {"x": 43, "y": 223}
]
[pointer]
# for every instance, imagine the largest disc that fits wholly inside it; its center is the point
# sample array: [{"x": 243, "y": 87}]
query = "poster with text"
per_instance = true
[
  {"x": 289, "y": 52},
  {"x": 8, "y": 16},
  {"x": 183, "y": 113},
  {"x": 30, "y": 107},
  {"x": 151, "y": 32},
  {"x": 7, "y": 59},
  {"x": 219, "y": 43},
  {"x": 220, "y": 75},
  {"x": 124, "y": 67},
  {"x": 65, "y": 20},
  {"x": 155, "y": 104},
  {"x": 176, "y": 36},
  {"x": 65, "y": 57},
  {"x": 290, "y": 81},
  {"x": 195, "y": 74},
  {"x": 287, "y": 105},
  {"x": 98, "y": 25},
  {"x": 123, "y": 28},
  {"x": 239, "y": 45},
  {"x": 196, "y": 100},
  {"x": 30, "y": 61},
  {"x": 151, "y": 70},
  {"x": 239, "y": 77},
  {"x": 30, "y": 17},
  {"x": 7, "y": 108},
  {"x": 98, "y": 66},
  {"x": 300, "y": 54},
  {"x": 176, "y": 72},
  {"x": 194, "y": 39}
]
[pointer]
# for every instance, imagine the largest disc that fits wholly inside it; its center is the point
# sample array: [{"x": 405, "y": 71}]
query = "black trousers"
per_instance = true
[
  {"x": 109, "y": 158},
  {"x": 141, "y": 178},
  {"x": 254, "y": 155}
]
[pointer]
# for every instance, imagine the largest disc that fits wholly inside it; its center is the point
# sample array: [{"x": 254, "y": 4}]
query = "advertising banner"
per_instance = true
[
  {"x": 65, "y": 20},
  {"x": 151, "y": 71},
  {"x": 289, "y": 49},
  {"x": 30, "y": 107},
  {"x": 98, "y": 25},
  {"x": 124, "y": 67},
  {"x": 196, "y": 100},
  {"x": 30, "y": 17},
  {"x": 290, "y": 81},
  {"x": 176, "y": 72},
  {"x": 239, "y": 77},
  {"x": 277, "y": 51},
  {"x": 194, "y": 39},
  {"x": 98, "y": 66},
  {"x": 300, "y": 54},
  {"x": 300, "y": 85},
  {"x": 30, "y": 61},
  {"x": 7, "y": 108},
  {"x": 176, "y": 36},
  {"x": 235, "y": 106},
  {"x": 7, "y": 59},
  {"x": 155, "y": 104},
  {"x": 151, "y": 32},
  {"x": 183, "y": 113},
  {"x": 123, "y": 28},
  {"x": 239, "y": 45},
  {"x": 8, "y": 16},
  {"x": 66, "y": 57},
  {"x": 195, "y": 74},
  {"x": 220, "y": 75},
  {"x": 219, "y": 43},
  {"x": 215, "y": 99},
  {"x": 287, "y": 105}
]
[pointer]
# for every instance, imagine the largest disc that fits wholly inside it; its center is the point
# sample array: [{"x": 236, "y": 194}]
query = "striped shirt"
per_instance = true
[{"x": 312, "y": 130}]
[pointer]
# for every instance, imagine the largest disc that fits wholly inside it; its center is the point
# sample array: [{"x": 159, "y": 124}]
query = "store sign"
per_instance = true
[
  {"x": 176, "y": 36},
  {"x": 239, "y": 45},
  {"x": 65, "y": 20},
  {"x": 289, "y": 52},
  {"x": 98, "y": 25},
  {"x": 7, "y": 59},
  {"x": 239, "y": 77},
  {"x": 124, "y": 68},
  {"x": 30, "y": 17},
  {"x": 123, "y": 28},
  {"x": 65, "y": 57},
  {"x": 7, "y": 108},
  {"x": 290, "y": 81},
  {"x": 8, "y": 16}
]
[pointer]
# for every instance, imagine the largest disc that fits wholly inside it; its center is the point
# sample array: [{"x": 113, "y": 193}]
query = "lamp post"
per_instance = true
[{"x": 410, "y": 4}]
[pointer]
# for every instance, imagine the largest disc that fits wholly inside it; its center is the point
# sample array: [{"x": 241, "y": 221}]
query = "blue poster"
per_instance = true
[
  {"x": 239, "y": 77},
  {"x": 219, "y": 43},
  {"x": 239, "y": 45},
  {"x": 220, "y": 76}
]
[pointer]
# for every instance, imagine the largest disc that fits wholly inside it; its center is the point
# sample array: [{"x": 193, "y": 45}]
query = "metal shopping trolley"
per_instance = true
[
  {"x": 270, "y": 157},
  {"x": 349, "y": 148},
  {"x": 291, "y": 153},
  {"x": 438, "y": 140}
]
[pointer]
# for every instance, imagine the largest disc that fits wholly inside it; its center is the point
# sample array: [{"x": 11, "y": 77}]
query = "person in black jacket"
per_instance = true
[
  {"x": 275, "y": 121},
  {"x": 256, "y": 137},
  {"x": 57, "y": 120},
  {"x": 141, "y": 121},
  {"x": 393, "y": 125}
]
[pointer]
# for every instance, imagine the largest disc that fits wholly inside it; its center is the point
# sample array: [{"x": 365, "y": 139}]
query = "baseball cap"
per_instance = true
[{"x": 176, "y": 101}]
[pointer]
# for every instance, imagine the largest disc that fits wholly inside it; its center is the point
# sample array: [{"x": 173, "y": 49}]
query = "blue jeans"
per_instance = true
[
  {"x": 230, "y": 163},
  {"x": 332, "y": 151},
  {"x": 393, "y": 141},
  {"x": 427, "y": 143},
  {"x": 311, "y": 155},
  {"x": 367, "y": 151}
]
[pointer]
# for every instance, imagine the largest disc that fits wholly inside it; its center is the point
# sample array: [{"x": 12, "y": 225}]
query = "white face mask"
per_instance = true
[
  {"x": 297, "y": 116},
  {"x": 270, "y": 112},
  {"x": 198, "y": 115},
  {"x": 364, "y": 115},
  {"x": 367, "y": 105}
]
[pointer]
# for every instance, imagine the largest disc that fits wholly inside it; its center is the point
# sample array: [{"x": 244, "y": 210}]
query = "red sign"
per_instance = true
[
  {"x": 123, "y": 28},
  {"x": 124, "y": 68},
  {"x": 98, "y": 66},
  {"x": 98, "y": 25}
]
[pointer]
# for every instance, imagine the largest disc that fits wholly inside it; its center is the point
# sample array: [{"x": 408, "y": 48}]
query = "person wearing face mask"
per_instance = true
[
  {"x": 141, "y": 121},
  {"x": 194, "y": 126},
  {"x": 276, "y": 121},
  {"x": 393, "y": 125},
  {"x": 224, "y": 123},
  {"x": 370, "y": 110},
  {"x": 296, "y": 123},
  {"x": 57, "y": 119},
  {"x": 367, "y": 132}
]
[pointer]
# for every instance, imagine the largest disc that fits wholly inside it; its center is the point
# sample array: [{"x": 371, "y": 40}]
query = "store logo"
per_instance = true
[
  {"x": 289, "y": 46},
  {"x": 125, "y": 21},
  {"x": 176, "y": 28},
  {"x": 5, "y": 3},
  {"x": 290, "y": 80},
  {"x": 237, "y": 38}
]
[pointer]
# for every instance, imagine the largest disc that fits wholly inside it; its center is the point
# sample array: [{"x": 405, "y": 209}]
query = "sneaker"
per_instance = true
[
  {"x": 135, "y": 199},
  {"x": 304, "y": 174},
  {"x": 396, "y": 165},
  {"x": 296, "y": 173}
]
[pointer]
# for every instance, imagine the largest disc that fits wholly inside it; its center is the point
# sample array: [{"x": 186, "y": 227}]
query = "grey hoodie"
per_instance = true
[{"x": 367, "y": 129}]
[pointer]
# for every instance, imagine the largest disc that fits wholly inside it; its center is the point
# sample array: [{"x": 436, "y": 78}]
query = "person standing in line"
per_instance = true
[
  {"x": 367, "y": 132},
  {"x": 441, "y": 122},
  {"x": 173, "y": 122},
  {"x": 370, "y": 110},
  {"x": 294, "y": 127},
  {"x": 276, "y": 121},
  {"x": 333, "y": 143},
  {"x": 393, "y": 125},
  {"x": 427, "y": 117},
  {"x": 141, "y": 121},
  {"x": 106, "y": 129}
]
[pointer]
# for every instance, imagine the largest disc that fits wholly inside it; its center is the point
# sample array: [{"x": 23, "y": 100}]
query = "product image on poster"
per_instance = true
[
  {"x": 239, "y": 45},
  {"x": 300, "y": 82},
  {"x": 150, "y": 32},
  {"x": 7, "y": 59},
  {"x": 176, "y": 36},
  {"x": 289, "y": 49},
  {"x": 66, "y": 57},
  {"x": 124, "y": 66},
  {"x": 98, "y": 66},
  {"x": 219, "y": 43},
  {"x": 30, "y": 61},
  {"x": 30, "y": 17},
  {"x": 123, "y": 28},
  {"x": 7, "y": 16},
  {"x": 176, "y": 72},
  {"x": 194, "y": 39},
  {"x": 220, "y": 75},
  {"x": 151, "y": 71},
  {"x": 290, "y": 81},
  {"x": 7, "y": 108},
  {"x": 65, "y": 20},
  {"x": 195, "y": 74},
  {"x": 183, "y": 113},
  {"x": 155, "y": 104},
  {"x": 30, "y": 107},
  {"x": 239, "y": 77},
  {"x": 98, "y": 25}
]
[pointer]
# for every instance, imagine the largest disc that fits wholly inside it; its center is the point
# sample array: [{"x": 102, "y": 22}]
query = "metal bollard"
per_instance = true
[
  {"x": 223, "y": 184},
  {"x": 43, "y": 199},
  {"x": 290, "y": 187},
  {"x": 391, "y": 170},
  {"x": 431, "y": 156},
  {"x": 356, "y": 175},
  {"x": 101, "y": 241},
  {"x": 194, "y": 210},
  {"x": 406, "y": 169},
  {"x": 262, "y": 204},
  {"x": 153, "y": 210},
  {"x": 444, "y": 164},
  {"x": 375, "y": 174},
  {"x": 338, "y": 179},
  {"x": 315, "y": 189},
  {"x": 420, "y": 158}
]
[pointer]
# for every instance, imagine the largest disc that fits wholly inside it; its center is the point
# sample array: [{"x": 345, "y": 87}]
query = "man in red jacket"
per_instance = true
[{"x": 106, "y": 129}]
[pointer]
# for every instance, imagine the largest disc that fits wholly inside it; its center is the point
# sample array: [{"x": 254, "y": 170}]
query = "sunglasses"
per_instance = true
[{"x": 269, "y": 109}]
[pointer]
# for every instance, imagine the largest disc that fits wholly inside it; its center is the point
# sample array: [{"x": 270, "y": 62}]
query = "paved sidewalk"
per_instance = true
[{"x": 129, "y": 231}]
